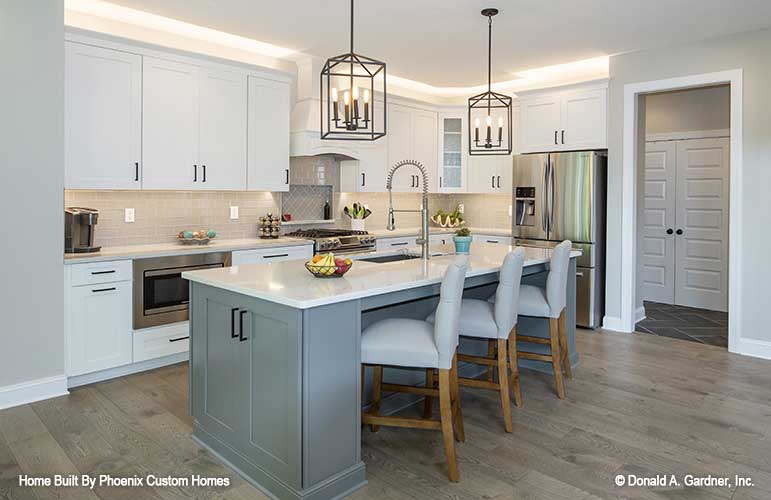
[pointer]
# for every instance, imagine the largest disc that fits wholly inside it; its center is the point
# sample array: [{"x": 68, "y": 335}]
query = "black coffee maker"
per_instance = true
[{"x": 79, "y": 229}]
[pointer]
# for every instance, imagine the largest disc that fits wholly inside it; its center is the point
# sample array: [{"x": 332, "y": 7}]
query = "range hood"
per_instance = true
[{"x": 305, "y": 122}]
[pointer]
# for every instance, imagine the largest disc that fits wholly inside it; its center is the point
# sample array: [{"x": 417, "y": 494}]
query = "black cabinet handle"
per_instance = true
[
  {"x": 103, "y": 290},
  {"x": 241, "y": 326},
  {"x": 136, "y": 171},
  {"x": 679, "y": 232},
  {"x": 499, "y": 182},
  {"x": 287, "y": 176},
  {"x": 492, "y": 241},
  {"x": 440, "y": 182},
  {"x": 233, "y": 334},
  {"x": 179, "y": 338},
  {"x": 195, "y": 173},
  {"x": 563, "y": 137},
  {"x": 399, "y": 244},
  {"x": 492, "y": 182},
  {"x": 204, "y": 173},
  {"x": 670, "y": 231},
  {"x": 275, "y": 256},
  {"x": 363, "y": 179},
  {"x": 102, "y": 272},
  {"x": 555, "y": 137}
]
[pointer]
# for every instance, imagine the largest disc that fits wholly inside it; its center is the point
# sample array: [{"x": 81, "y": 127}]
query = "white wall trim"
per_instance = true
[
  {"x": 629, "y": 195},
  {"x": 120, "y": 371},
  {"x": 36, "y": 390},
  {"x": 612, "y": 323},
  {"x": 639, "y": 314},
  {"x": 752, "y": 347},
  {"x": 691, "y": 134}
]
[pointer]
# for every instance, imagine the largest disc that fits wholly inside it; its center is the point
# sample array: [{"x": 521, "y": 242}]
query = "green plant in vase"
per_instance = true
[{"x": 462, "y": 240}]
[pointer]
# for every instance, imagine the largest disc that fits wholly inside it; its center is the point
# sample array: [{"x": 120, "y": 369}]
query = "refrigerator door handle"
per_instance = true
[
  {"x": 544, "y": 195},
  {"x": 551, "y": 195}
]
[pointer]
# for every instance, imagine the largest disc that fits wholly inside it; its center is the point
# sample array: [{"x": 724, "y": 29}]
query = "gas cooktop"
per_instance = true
[{"x": 339, "y": 240}]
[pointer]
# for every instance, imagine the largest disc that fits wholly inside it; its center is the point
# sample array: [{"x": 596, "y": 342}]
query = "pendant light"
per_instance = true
[
  {"x": 350, "y": 109},
  {"x": 489, "y": 109}
]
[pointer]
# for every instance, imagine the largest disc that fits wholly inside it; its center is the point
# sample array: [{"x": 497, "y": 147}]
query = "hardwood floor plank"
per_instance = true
[{"x": 9, "y": 474}]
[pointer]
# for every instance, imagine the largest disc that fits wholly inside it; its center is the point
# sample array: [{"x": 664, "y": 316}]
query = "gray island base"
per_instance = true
[{"x": 275, "y": 374}]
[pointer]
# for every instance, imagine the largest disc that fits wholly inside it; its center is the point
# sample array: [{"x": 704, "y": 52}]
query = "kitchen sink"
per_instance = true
[{"x": 390, "y": 258}]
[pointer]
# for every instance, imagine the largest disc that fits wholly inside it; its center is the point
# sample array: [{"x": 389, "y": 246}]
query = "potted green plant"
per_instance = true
[{"x": 462, "y": 240}]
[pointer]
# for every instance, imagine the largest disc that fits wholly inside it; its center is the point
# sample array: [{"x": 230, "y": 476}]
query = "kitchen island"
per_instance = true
[{"x": 275, "y": 385}]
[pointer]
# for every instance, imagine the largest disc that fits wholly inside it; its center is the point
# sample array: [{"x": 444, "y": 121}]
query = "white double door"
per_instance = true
[{"x": 684, "y": 245}]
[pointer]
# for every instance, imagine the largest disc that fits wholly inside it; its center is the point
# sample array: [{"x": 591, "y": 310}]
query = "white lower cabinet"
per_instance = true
[
  {"x": 98, "y": 322},
  {"x": 440, "y": 239},
  {"x": 396, "y": 243},
  {"x": 264, "y": 255},
  {"x": 497, "y": 240},
  {"x": 160, "y": 341}
]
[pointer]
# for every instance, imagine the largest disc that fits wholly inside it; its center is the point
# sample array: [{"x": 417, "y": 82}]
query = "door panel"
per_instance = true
[
  {"x": 530, "y": 172},
  {"x": 400, "y": 135},
  {"x": 657, "y": 248},
  {"x": 268, "y": 135},
  {"x": 702, "y": 215},
  {"x": 541, "y": 121},
  {"x": 584, "y": 120},
  {"x": 572, "y": 197},
  {"x": 424, "y": 145}
]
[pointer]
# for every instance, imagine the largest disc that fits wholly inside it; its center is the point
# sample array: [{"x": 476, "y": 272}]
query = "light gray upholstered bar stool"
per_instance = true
[
  {"x": 418, "y": 344},
  {"x": 496, "y": 322},
  {"x": 550, "y": 303}
]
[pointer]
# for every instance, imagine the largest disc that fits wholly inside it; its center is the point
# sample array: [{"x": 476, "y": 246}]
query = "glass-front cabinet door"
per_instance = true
[{"x": 452, "y": 152}]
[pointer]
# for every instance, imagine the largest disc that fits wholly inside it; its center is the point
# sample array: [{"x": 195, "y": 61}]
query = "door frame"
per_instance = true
[{"x": 632, "y": 93}]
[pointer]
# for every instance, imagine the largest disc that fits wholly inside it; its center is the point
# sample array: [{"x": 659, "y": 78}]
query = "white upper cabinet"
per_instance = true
[
  {"x": 490, "y": 174},
  {"x": 564, "y": 120},
  {"x": 103, "y": 118},
  {"x": 268, "y": 135},
  {"x": 222, "y": 139},
  {"x": 453, "y": 152},
  {"x": 424, "y": 145},
  {"x": 412, "y": 135},
  {"x": 170, "y": 125}
]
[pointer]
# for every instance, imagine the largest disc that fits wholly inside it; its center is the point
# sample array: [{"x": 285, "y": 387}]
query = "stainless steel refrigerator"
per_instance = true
[{"x": 561, "y": 196}]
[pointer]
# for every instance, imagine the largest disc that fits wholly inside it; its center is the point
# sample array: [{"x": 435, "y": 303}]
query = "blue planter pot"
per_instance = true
[{"x": 462, "y": 244}]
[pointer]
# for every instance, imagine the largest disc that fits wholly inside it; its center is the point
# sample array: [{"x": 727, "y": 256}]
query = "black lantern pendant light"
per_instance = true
[
  {"x": 489, "y": 109},
  {"x": 349, "y": 110}
]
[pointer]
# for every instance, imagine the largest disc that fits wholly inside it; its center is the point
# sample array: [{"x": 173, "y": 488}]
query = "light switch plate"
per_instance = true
[
  {"x": 129, "y": 215},
  {"x": 509, "y": 210},
  {"x": 461, "y": 208},
  {"x": 234, "y": 213}
]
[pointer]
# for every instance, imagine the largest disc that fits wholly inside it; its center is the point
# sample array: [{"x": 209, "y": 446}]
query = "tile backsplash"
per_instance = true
[{"x": 160, "y": 215}]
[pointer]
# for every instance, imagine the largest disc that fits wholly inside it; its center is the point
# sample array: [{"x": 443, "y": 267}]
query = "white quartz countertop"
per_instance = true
[
  {"x": 289, "y": 283},
  {"x": 415, "y": 231},
  {"x": 175, "y": 248}
]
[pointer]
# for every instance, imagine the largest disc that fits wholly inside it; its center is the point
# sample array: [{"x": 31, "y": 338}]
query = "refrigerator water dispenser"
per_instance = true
[{"x": 524, "y": 206}]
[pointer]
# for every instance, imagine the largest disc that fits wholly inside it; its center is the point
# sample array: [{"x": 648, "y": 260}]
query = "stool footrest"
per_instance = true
[
  {"x": 411, "y": 389},
  {"x": 534, "y": 340},
  {"x": 479, "y": 360},
  {"x": 535, "y": 356},
  {"x": 480, "y": 384},
  {"x": 412, "y": 423}
]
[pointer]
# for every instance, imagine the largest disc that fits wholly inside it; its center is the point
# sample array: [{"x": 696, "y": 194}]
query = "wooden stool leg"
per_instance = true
[
  {"x": 564, "y": 346},
  {"x": 491, "y": 355},
  {"x": 427, "y": 400},
  {"x": 376, "y": 390},
  {"x": 514, "y": 367},
  {"x": 556, "y": 356},
  {"x": 503, "y": 384},
  {"x": 457, "y": 415},
  {"x": 445, "y": 407}
]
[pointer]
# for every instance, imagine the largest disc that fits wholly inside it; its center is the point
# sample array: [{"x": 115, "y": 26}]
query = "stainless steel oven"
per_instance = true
[{"x": 161, "y": 295}]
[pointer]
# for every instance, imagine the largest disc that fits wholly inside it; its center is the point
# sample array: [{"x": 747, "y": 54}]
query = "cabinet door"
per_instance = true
[
  {"x": 400, "y": 137},
  {"x": 584, "y": 120},
  {"x": 222, "y": 147},
  {"x": 373, "y": 163},
  {"x": 482, "y": 175},
  {"x": 504, "y": 181},
  {"x": 268, "y": 135},
  {"x": 102, "y": 118},
  {"x": 100, "y": 327},
  {"x": 541, "y": 122},
  {"x": 170, "y": 125},
  {"x": 424, "y": 146},
  {"x": 452, "y": 154}
]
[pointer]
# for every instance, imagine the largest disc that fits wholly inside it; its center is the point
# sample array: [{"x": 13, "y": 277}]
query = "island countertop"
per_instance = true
[{"x": 290, "y": 284}]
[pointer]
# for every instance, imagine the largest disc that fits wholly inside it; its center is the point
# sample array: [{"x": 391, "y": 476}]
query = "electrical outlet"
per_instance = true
[
  {"x": 461, "y": 208},
  {"x": 129, "y": 215},
  {"x": 509, "y": 210},
  {"x": 233, "y": 213}
]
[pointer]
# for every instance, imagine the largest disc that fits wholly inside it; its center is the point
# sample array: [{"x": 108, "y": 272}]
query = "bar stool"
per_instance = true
[
  {"x": 550, "y": 303},
  {"x": 496, "y": 322},
  {"x": 418, "y": 344}
]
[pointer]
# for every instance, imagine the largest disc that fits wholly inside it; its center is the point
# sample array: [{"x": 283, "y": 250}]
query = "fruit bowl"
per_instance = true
[{"x": 328, "y": 267}]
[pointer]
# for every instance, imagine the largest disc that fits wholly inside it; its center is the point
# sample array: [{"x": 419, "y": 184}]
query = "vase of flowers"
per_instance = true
[{"x": 462, "y": 240}]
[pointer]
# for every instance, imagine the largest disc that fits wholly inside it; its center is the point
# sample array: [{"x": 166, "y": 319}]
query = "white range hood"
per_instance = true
[{"x": 305, "y": 124}]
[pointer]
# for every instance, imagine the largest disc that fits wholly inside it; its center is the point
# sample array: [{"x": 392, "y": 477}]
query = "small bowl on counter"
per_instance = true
[
  {"x": 328, "y": 266},
  {"x": 196, "y": 237}
]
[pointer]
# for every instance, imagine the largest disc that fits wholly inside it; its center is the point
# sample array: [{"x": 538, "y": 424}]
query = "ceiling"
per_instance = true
[{"x": 443, "y": 43}]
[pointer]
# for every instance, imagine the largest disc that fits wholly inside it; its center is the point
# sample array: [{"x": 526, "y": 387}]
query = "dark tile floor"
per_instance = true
[{"x": 685, "y": 323}]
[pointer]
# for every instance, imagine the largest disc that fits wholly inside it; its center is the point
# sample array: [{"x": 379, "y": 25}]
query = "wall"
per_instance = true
[
  {"x": 32, "y": 159},
  {"x": 705, "y": 108},
  {"x": 750, "y": 51},
  {"x": 160, "y": 215}
]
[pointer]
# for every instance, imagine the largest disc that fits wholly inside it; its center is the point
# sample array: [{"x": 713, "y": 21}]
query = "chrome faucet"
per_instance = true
[{"x": 423, "y": 240}]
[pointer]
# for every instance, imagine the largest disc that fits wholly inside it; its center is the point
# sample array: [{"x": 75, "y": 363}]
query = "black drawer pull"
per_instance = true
[
  {"x": 399, "y": 244},
  {"x": 493, "y": 241},
  {"x": 276, "y": 255},
  {"x": 178, "y": 339},
  {"x": 204, "y": 173},
  {"x": 241, "y": 326},
  {"x": 102, "y": 272},
  {"x": 136, "y": 171},
  {"x": 103, "y": 290},
  {"x": 233, "y": 334}
]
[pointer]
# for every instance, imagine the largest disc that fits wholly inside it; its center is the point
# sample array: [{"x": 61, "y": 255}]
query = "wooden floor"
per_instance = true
[{"x": 638, "y": 404}]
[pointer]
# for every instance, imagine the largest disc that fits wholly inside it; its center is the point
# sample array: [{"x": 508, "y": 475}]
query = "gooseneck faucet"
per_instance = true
[{"x": 423, "y": 240}]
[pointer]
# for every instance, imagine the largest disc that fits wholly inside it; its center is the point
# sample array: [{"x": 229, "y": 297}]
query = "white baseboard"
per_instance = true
[
  {"x": 35, "y": 390},
  {"x": 612, "y": 323},
  {"x": 639, "y": 314},
  {"x": 755, "y": 348},
  {"x": 120, "y": 371}
]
